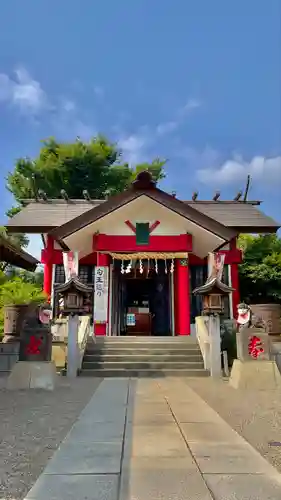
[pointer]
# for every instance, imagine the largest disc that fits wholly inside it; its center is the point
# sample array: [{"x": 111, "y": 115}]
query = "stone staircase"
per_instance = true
[{"x": 143, "y": 357}]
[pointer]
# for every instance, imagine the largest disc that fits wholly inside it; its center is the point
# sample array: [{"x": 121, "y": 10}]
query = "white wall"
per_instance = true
[{"x": 143, "y": 209}]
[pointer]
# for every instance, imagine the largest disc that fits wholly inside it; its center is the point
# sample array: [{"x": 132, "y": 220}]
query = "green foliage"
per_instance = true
[
  {"x": 18, "y": 240},
  {"x": 260, "y": 272},
  {"x": 95, "y": 165},
  {"x": 16, "y": 291},
  {"x": 36, "y": 278},
  {"x": 22, "y": 288},
  {"x": 3, "y": 277}
]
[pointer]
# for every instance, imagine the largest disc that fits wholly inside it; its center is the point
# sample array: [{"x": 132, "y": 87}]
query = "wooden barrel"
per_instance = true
[
  {"x": 271, "y": 315},
  {"x": 13, "y": 319}
]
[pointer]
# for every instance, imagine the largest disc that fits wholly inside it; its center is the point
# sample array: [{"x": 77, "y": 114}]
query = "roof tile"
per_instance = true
[{"x": 55, "y": 213}]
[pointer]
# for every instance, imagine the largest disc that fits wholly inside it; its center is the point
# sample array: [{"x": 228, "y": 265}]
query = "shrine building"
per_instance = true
[{"x": 144, "y": 250}]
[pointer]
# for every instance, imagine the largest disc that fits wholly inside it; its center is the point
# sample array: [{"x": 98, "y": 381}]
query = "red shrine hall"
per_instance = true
[{"x": 144, "y": 251}]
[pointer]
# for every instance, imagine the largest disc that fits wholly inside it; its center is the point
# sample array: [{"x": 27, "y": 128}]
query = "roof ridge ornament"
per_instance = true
[{"x": 144, "y": 181}]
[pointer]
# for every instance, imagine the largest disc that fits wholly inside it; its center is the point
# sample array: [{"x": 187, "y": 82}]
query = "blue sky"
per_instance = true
[{"x": 197, "y": 83}]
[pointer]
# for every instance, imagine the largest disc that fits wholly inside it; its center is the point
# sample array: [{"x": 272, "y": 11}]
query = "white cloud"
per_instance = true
[
  {"x": 262, "y": 169},
  {"x": 190, "y": 105},
  {"x": 68, "y": 105},
  {"x": 28, "y": 96},
  {"x": 5, "y": 88},
  {"x": 204, "y": 159},
  {"x": 172, "y": 125},
  {"x": 133, "y": 147},
  {"x": 68, "y": 123},
  {"x": 166, "y": 127},
  {"x": 23, "y": 92}
]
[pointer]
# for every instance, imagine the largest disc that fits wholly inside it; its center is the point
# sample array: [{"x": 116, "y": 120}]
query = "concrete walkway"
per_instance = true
[{"x": 154, "y": 440}]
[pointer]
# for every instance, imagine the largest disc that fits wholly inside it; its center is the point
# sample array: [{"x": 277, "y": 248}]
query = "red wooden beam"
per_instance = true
[
  {"x": 55, "y": 257},
  {"x": 154, "y": 226},
  {"x": 130, "y": 225},
  {"x": 125, "y": 244},
  {"x": 231, "y": 257},
  {"x": 133, "y": 228}
]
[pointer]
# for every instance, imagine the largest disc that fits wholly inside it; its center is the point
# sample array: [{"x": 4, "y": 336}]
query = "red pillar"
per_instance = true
[
  {"x": 235, "y": 284},
  {"x": 182, "y": 297},
  {"x": 104, "y": 261},
  {"x": 48, "y": 267},
  {"x": 234, "y": 275}
]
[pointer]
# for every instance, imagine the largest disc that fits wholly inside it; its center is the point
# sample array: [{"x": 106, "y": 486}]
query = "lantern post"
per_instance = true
[
  {"x": 213, "y": 293},
  {"x": 73, "y": 299}
]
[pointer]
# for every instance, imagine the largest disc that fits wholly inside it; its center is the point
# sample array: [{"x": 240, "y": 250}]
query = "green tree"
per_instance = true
[
  {"x": 95, "y": 165},
  {"x": 260, "y": 272},
  {"x": 36, "y": 277},
  {"x": 75, "y": 166},
  {"x": 18, "y": 240}
]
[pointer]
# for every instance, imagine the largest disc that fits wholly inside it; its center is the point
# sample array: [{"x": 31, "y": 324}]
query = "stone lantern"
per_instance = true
[
  {"x": 213, "y": 292},
  {"x": 73, "y": 298}
]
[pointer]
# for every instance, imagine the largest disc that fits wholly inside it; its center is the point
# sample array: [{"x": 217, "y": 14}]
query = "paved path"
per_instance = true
[{"x": 154, "y": 440}]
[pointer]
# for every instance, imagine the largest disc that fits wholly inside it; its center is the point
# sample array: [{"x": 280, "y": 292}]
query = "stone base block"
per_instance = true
[
  {"x": 32, "y": 375},
  {"x": 59, "y": 354},
  {"x": 261, "y": 375}
]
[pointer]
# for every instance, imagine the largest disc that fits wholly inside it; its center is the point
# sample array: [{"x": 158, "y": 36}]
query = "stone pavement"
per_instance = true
[{"x": 154, "y": 440}]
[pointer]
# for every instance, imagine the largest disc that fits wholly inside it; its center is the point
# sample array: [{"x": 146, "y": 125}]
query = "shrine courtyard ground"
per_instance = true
[{"x": 168, "y": 458}]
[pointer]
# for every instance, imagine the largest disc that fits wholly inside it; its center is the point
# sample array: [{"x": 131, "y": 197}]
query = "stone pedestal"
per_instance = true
[
  {"x": 255, "y": 375},
  {"x": 32, "y": 375},
  {"x": 59, "y": 354}
]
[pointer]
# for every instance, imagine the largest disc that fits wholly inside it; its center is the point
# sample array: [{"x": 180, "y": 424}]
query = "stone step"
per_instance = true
[
  {"x": 149, "y": 373},
  {"x": 143, "y": 357},
  {"x": 143, "y": 339},
  {"x": 141, "y": 365},
  {"x": 95, "y": 357},
  {"x": 130, "y": 351}
]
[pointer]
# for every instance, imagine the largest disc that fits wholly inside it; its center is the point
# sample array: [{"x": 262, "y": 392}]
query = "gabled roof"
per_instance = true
[
  {"x": 74, "y": 283},
  {"x": 43, "y": 216},
  {"x": 213, "y": 284},
  {"x": 39, "y": 216},
  {"x": 16, "y": 256},
  {"x": 143, "y": 186},
  {"x": 245, "y": 217}
]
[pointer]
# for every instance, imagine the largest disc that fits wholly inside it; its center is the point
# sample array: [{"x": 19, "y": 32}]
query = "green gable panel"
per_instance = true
[{"x": 142, "y": 233}]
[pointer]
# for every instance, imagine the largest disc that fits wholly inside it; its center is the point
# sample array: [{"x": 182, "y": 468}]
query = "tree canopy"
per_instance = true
[
  {"x": 95, "y": 165},
  {"x": 18, "y": 240},
  {"x": 260, "y": 271}
]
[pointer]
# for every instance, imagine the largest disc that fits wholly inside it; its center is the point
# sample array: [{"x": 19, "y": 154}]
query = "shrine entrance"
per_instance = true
[{"x": 142, "y": 298}]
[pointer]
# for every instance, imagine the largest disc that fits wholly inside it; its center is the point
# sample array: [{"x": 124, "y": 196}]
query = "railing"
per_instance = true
[
  {"x": 202, "y": 334},
  {"x": 84, "y": 332},
  {"x": 59, "y": 329},
  {"x": 75, "y": 336},
  {"x": 209, "y": 340}
]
